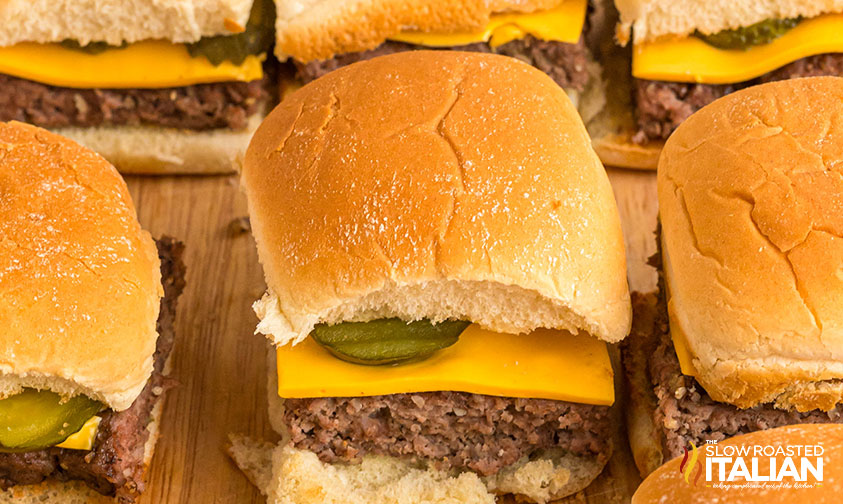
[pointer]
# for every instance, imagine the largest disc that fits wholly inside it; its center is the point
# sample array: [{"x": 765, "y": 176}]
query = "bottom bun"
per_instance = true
[
  {"x": 287, "y": 475},
  {"x": 152, "y": 150},
  {"x": 618, "y": 150},
  {"x": 53, "y": 492}
]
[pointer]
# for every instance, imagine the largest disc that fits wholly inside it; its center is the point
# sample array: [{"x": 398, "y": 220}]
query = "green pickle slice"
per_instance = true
[
  {"x": 256, "y": 39},
  {"x": 387, "y": 341},
  {"x": 36, "y": 419},
  {"x": 745, "y": 37}
]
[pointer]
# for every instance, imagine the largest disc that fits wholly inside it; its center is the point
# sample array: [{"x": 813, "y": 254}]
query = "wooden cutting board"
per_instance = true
[{"x": 220, "y": 364}]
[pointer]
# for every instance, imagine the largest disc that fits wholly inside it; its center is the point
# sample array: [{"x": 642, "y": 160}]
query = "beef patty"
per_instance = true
[
  {"x": 454, "y": 430},
  {"x": 565, "y": 63},
  {"x": 196, "y": 107},
  {"x": 115, "y": 464},
  {"x": 684, "y": 411},
  {"x": 662, "y": 106}
]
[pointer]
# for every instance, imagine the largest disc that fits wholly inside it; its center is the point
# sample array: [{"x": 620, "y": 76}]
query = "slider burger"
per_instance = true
[
  {"x": 87, "y": 314},
  {"x": 445, "y": 266},
  {"x": 549, "y": 34},
  {"x": 688, "y": 53},
  {"x": 155, "y": 86},
  {"x": 747, "y": 334}
]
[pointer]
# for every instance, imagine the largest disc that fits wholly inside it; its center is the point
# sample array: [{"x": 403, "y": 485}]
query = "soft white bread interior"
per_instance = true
[
  {"x": 290, "y": 476},
  {"x": 751, "y": 204},
  {"x": 76, "y": 492},
  {"x": 152, "y": 150},
  {"x": 118, "y": 21},
  {"x": 309, "y": 30},
  {"x": 434, "y": 185},
  {"x": 80, "y": 280},
  {"x": 650, "y": 19}
]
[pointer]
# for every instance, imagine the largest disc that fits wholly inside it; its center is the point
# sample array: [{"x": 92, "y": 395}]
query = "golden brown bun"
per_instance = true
[
  {"x": 434, "y": 185},
  {"x": 151, "y": 150},
  {"x": 668, "y": 485},
  {"x": 79, "y": 278},
  {"x": 651, "y": 19},
  {"x": 309, "y": 30},
  {"x": 751, "y": 196},
  {"x": 116, "y": 21}
]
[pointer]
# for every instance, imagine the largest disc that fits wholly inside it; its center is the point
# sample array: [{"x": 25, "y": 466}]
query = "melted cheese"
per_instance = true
[
  {"x": 563, "y": 24},
  {"x": 692, "y": 60},
  {"x": 84, "y": 438},
  {"x": 149, "y": 64},
  {"x": 683, "y": 353},
  {"x": 545, "y": 364}
]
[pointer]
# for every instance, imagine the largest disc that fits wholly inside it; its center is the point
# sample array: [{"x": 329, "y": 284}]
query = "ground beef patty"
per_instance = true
[
  {"x": 456, "y": 430},
  {"x": 196, "y": 107},
  {"x": 565, "y": 63},
  {"x": 662, "y": 106},
  {"x": 115, "y": 465},
  {"x": 684, "y": 411}
]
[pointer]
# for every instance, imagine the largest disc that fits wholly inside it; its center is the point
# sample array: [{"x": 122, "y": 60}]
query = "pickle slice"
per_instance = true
[
  {"x": 257, "y": 38},
  {"x": 36, "y": 419},
  {"x": 745, "y": 37},
  {"x": 387, "y": 341}
]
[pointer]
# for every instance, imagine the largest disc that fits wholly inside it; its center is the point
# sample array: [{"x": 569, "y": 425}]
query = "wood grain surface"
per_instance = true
[{"x": 220, "y": 364}]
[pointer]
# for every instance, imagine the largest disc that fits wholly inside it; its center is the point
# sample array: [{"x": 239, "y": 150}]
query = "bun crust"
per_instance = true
[
  {"x": 751, "y": 204},
  {"x": 651, "y": 19},
  {"x": 150, "y": 150},
  {"x": 309, "y": 30},
  {"x": 79, "y": 279},
  {"x": 667, "y": 484},
  {"x": 434, "y": 185},
  {"x": 117, "y": 21}
]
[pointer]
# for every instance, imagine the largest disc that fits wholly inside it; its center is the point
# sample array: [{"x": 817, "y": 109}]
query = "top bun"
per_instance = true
[
  {"x": 309, "y": 30},
  {"x": 651, "y": 19},
  {"x": 79, "y": 278},
  {"x": 433, "y": 184},
  {"x": 751, "y": 196},
  {"x": 118, "y": 21}
]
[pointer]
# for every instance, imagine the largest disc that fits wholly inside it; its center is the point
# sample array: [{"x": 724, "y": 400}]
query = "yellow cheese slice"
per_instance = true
[
  {"x": 683, "y": 353},
  {"x": 84, "y": 438},
  {"x": 545, "y": 364},
  {"x": 562, "y": 24},
  {"x": 692, "y": 60},
  {"x": 148, "y": 64}
]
